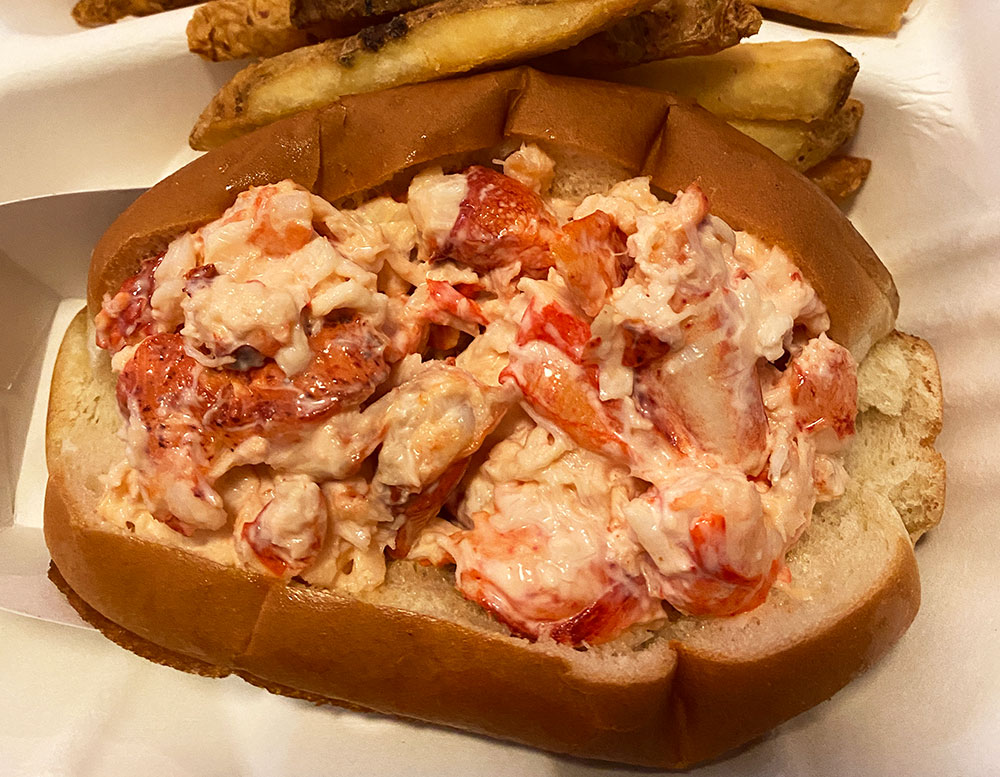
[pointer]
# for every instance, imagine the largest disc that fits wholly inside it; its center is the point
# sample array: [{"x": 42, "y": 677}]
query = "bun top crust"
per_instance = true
[{"x": 376, "y": 141}]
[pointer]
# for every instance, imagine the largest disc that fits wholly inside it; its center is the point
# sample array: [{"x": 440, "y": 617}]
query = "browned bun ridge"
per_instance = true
[
  {"x": 324, "y": 647},
  {"x": 367, "y": 142},
  {"x": 682, "y": 697}
]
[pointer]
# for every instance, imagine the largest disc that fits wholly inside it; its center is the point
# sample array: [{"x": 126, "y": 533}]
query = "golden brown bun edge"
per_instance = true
[{"x": 367, "y": 142}]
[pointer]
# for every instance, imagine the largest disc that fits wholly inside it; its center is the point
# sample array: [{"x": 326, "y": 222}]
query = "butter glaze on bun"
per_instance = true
[{"x": 415, "y": 647}]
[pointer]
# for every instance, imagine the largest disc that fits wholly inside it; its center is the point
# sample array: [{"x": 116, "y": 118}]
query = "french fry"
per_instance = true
[
  {"x": 870, "y": 15},
  {"x": 234, "y": 29},
  {"x": 95, "y": 13},
  {"x": 671, "y": 28},
  {"x": 803, "y": 80},
  {"x": 805, "y": 144},
  {"x": 840, "y": 176},
  {"x": 452, "y": 36}
]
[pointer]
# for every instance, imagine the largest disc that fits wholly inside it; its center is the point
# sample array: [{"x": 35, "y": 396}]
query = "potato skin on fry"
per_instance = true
[
  {"x": 840, "y": 176},
  {"x": 221, "y": 30},
  {"x": 671, "y": 28},
  {"x": 805, "y": 144},
  {"x": 349, "y": 15},
  {"x": 233, "y": 29},
  {"x": 448, "y": 37},
  {"x": 95, "y": 13}
]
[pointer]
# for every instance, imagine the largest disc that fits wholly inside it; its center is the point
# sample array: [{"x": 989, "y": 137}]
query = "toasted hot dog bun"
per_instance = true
[{"x": 415, "y": 647}]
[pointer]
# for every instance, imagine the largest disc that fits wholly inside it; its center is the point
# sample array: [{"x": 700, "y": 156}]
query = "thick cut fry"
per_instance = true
[
  {"x": 452, "y": 36},
  {"x": 94, "y": 13},
  {"x": 803, "y": 80},
  {"x": 871, "y": 15},
  {"x": 671, "y": 28},
  {"x": 805, "y": 144},
  {"x": 233, "y": 29},
  {"x": 840, "y": 176}
]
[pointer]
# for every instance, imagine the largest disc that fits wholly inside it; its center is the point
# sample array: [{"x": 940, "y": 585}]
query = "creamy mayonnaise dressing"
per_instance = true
[
  {"x": 578, "y": 469},
  {"x": 434, "y": 201},
  {"x": 530, "y": 166}
]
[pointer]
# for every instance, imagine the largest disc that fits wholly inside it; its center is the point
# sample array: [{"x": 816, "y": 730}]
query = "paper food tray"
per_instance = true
[
  {"x": 44, "y": 272},
  {"x": 112, "y": 107}
]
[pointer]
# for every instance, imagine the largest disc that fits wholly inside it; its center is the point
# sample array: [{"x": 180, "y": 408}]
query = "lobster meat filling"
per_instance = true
[{"x": 594, "y": 411}]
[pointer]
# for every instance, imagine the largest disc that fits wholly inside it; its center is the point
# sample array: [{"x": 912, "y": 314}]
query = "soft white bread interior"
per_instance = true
[
  {"x": 900, "y": 394},
  {"x": 415, "y": 647}
]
